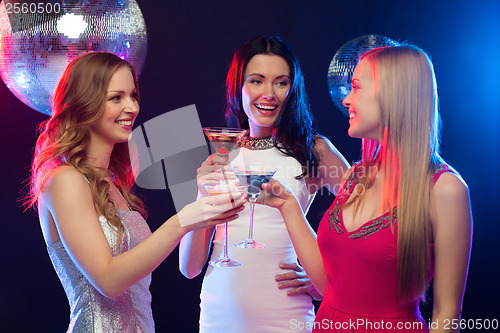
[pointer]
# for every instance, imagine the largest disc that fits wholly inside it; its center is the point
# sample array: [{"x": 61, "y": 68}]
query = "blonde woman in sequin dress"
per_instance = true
[
  {"x": 99, "y": 243},
  {"x": 269, "y": 292}
]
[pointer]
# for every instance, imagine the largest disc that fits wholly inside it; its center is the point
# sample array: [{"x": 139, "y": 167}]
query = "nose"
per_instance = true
[
  {"x": 268, "y": 93},
  {"x": 347, "y": 100},
  {"x": 132, "y": 106}
]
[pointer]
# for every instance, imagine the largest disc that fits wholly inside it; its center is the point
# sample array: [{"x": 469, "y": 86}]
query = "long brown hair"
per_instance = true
[
  {"x": 407, "y": 155},
  {"x": 78, "y": 103}
]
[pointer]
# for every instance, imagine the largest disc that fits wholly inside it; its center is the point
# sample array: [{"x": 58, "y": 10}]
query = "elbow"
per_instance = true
[
  {"x": 111, "y": 293},
  {"x": 448, "y": 312},
  {"x": 109, "y": 289},
  {"x": 188, "y": 271},
  {"x": 321, "y": 291}
]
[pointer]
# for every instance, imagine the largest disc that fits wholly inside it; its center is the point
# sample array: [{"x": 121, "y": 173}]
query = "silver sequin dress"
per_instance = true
[{"x": 90, "y": 310}]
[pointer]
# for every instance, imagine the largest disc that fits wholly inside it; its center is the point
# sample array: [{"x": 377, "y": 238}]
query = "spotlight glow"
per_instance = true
[{"x": 71, "y": 25}]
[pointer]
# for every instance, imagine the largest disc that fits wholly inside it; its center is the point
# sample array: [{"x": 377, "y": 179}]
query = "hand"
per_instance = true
[
  {"x": 297, "y": 281},
  {"x": 275, "y": 194},
  {"x": 210, "y": 171},
  {"x": 209, "y": 211}
]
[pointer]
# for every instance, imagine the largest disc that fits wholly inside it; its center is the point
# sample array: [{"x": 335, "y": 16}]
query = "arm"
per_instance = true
[
  {"x": 68, "y": 199},
  {"x": 302, "y": 235},
  {"x": 195, "y": 246},
  {"x": 452, "y": 231},
  {"x": 193, "y": 251},
  {"x": 332, "y": 166}
]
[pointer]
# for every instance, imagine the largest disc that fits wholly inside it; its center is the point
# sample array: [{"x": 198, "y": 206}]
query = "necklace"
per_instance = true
[{"x": 256, "y": 143}]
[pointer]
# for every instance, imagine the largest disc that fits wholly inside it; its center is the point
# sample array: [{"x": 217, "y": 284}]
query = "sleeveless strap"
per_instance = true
[
  {"x": 440, "y": 170},
  {"x": 118, "y": 192}
]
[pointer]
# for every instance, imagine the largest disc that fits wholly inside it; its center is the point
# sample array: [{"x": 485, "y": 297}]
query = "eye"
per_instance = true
[
  {"x": 133, "y": 96},
  {"x": 255, "y": 81},
  {"x": 115, "y": 98},
  {"x": 283, "y": 83}
]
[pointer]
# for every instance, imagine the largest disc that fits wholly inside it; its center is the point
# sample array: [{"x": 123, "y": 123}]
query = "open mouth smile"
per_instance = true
[{"x": 265, "y": 108}]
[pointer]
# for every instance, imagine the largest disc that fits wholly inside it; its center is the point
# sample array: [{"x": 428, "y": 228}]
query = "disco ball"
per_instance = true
[
  {"x": 38, "y": 40},
  {"x": 345, "y": 60}
]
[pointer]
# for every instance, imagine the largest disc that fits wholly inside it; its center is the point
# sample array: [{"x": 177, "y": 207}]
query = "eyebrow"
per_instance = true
[
  {"x": 278, "y": 77},
  {"x": 120, "y": 91}
]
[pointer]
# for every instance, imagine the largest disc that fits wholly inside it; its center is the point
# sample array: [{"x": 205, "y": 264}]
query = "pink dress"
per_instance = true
[{"x": 361, "y": 268}]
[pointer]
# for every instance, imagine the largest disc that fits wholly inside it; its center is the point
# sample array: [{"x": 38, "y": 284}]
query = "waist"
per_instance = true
[{"x": 372, "y": 305}]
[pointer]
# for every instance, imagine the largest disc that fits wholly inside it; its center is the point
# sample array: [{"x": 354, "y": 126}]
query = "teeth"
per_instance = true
[
  {"x": 266, "y": 107},
  {"x": 352, "y": 115},
  {"x": 124, "y": 122}
]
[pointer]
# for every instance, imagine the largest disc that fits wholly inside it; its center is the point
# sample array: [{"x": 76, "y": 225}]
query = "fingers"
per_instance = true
[
  {"x": 289, "y": 276},
  {"x": 216, "y": 159},
  {"x": 213, "y": 177},
  {"x": 209, "y": 211},
  {"x": 275, "y": 188},
  {"x": 217, "y": 168},
  {"x": 299, "y": 291},
  {"x": 303, "y": 284},
  {"x": 227, "y": 216},
  {"x": 293, "y": 266},
  {"x": 231, "y": 212},
  {"x": 225, "y": 201}
]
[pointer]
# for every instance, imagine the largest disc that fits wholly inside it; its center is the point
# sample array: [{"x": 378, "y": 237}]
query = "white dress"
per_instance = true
[{"x": 246, "y": 298}]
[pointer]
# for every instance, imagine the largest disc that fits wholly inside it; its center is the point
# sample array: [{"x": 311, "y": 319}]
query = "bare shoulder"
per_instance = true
[
  {"x": 332, "y": 166},
  {"x": 65, "y": 182},
  {"x": 323, "y": 144},
  {"x": 449, "y": 188},
  {"x": 328, "y": 153},
  {"x": 450, "y": 203}
]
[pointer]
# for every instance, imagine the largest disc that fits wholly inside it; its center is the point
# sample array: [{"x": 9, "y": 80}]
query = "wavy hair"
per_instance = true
[
  {"x": 78, "y": 103},
  {"x": 295, "y": 130},
  {"x": 407, "y": 155}
]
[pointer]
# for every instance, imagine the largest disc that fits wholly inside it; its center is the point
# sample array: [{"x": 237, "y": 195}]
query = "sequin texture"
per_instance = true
[{"x": 90, "y": 311}]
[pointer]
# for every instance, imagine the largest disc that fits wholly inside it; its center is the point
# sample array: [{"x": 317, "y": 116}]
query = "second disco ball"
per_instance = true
[{"x": 345, "y": 60}]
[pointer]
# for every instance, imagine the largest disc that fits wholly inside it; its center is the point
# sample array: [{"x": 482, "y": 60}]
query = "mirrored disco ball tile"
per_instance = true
[{"x": 36, "y": 44}]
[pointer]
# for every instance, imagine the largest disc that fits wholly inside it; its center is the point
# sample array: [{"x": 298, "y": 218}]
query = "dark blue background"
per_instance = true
[{"x": 190, "y": 47}]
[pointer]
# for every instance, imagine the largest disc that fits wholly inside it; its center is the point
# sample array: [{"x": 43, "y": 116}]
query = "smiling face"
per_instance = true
[
  {"x": 120, "y": 110},
  {"x": 364, "y": 107},
  {"x": 265, "y": 89}
]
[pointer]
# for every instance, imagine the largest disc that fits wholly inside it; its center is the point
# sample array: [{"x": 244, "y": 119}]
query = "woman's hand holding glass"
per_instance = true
[
  {"x": 210, "y": 211},
  {"x": 211, "y": 172},
  {"x": 277, "y": 195}
]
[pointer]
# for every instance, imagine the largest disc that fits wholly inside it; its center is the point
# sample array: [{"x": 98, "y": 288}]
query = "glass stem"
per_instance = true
[
  {"x": 225, "y": 257},
  {"x": 252, "y": 207}
]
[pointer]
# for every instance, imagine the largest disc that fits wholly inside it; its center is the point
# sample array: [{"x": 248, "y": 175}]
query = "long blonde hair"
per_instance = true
[
  {"x": 407, "y": 155},
  {"x": 78, "y": 103}
]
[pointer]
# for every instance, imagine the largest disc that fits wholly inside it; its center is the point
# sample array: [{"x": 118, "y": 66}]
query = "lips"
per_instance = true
[
  {"x": 125, "y": 123},
  {"x": 266, "y": 108}
]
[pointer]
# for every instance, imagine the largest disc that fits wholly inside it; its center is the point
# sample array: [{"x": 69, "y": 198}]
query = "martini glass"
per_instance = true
[
  {"x": 221, "y": 188},
  {"x": 223, "y": 139},
  {"x": 252, "y": 179}
]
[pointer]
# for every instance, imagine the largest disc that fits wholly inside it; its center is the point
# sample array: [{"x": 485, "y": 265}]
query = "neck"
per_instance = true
[
  {"x": 260, "y": 132},
  {"x": 99, "y": 154}
]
